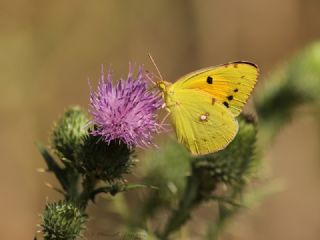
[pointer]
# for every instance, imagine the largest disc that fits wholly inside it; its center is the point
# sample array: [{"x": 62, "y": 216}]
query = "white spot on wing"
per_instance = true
[{"x": 204, "y": 117}]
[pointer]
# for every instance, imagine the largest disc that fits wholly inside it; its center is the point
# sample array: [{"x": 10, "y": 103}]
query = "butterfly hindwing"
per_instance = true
[
  {"x": 229, "y": 84},
  {"x": 201, "y": 124}
]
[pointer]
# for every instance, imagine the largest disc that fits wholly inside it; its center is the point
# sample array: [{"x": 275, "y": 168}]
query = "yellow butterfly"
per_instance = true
[{"x": 203, "y": 104}]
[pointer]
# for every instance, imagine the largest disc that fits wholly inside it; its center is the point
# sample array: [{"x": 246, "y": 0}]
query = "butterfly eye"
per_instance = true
[{"x": 162, "y": 86}]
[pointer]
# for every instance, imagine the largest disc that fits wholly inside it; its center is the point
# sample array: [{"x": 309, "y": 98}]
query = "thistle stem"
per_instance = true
[
  {"x": 181, "y": 215},
  {"x": 88, "y": 184}
]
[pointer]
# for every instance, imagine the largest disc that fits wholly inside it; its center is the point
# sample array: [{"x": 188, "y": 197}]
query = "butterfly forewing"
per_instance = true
[{"x": 229, "y": 84}]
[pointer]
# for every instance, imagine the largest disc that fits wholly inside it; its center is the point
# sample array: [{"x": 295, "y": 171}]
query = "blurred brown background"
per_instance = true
[{"x": 48, "y": 50}]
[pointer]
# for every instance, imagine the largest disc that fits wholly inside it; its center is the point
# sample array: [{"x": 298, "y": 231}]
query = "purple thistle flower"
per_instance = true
[{"x": 125, "y": 111}]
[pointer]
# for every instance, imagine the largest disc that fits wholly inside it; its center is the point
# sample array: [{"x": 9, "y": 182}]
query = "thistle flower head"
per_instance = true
[
  {"x": 106, "y": 162},
  {"x": 125, "y": 111}
]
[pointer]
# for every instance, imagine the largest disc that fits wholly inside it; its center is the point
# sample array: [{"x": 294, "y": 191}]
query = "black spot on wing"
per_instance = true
[
  {"x": 236, "y": 90},
  {"x": 209, "y": 80},
  {"x": 230, "y": 97},
  {"x": 226, "y": 104}
]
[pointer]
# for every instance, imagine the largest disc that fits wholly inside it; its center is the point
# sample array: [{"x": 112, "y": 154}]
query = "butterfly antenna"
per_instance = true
[
  {"x": 150, "y": 78},
  {"x": 155, "y": 65}
]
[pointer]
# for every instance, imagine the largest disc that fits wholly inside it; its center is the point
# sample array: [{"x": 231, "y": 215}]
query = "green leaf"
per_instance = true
[{"x": 54, "y": 167}]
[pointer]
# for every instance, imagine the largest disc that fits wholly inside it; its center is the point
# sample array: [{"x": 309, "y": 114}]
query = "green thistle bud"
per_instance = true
[
  {"x": 295, "y": 84},
  {"x": 104, "y": 161},
  {"x": 304, "y": 72},
  {"x": 232, "y": 165},
  {"x": 62, "y": 221},
  {"x": 68, "y": 133}
]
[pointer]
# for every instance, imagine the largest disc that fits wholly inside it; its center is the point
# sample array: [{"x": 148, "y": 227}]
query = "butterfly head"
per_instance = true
[{"x": 162, "y": 85}]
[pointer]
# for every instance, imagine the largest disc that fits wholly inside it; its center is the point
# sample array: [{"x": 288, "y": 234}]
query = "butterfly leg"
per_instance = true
[
  {"x": 166, "y": 107},
  {"x": 165, "y": 117}
]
